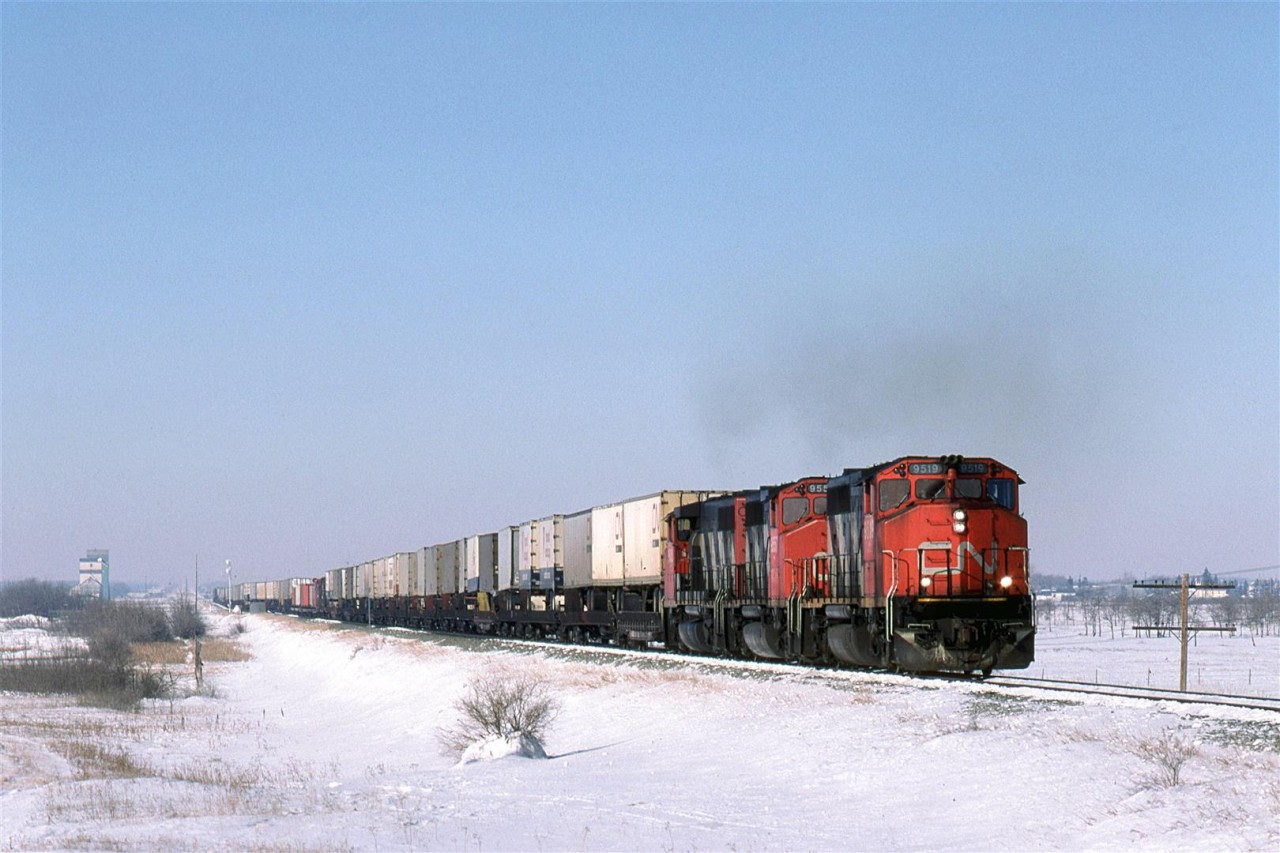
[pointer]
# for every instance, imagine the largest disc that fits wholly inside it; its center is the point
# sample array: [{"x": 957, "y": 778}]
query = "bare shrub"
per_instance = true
[
  {"x": 110, "y": 646},
  {"x": 500, "y": 705},
  {"x": 136, "y": 621},
  {"x": 108, "y": 685},
  {"x": 185, "y": 619},
  {"x": 1168, "y": 751}
]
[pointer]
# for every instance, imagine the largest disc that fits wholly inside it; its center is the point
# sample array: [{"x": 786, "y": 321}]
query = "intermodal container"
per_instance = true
[
  {"x": 577, "y": 549},
  {"x": 528, "y": 556},
  {"x": 448, "y": 560},
  {"x": 508, "y": 557},
  {"x": 551, "y": 552}
]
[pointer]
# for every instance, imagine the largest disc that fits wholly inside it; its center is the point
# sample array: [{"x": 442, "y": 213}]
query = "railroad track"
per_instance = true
[
  {"x": 604, "y": 653},
  {"x": 1233, "y": 700}
]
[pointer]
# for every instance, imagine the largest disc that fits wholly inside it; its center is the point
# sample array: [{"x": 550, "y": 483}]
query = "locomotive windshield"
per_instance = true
[
  {"x": 931, "y": 489},
  {"x": 927, "y": 490},
  {"x": 794, "y": 509},
  {"x": 1000, "y": 490},
  {"x": 893, "y": 494}
]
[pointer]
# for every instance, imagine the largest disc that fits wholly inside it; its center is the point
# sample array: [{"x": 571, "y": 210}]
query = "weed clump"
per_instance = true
[
  {"x": 1168, "y": 752},
  {"x": 497, "y": 706}
]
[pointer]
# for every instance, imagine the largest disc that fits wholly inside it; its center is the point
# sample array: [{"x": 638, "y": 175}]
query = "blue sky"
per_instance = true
[{"x": 301, "y": 285}]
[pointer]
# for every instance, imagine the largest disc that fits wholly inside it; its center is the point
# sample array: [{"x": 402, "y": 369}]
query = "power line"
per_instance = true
[
  {"x": 1184, "y": 629},
  {"x": 1126, "y": 582},
  {"x": 1249, "y": 571}
]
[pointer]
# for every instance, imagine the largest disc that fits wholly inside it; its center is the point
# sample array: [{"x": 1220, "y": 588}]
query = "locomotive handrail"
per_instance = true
[
  {"x": 933, "y": 546},
  {"x": 893, "y": 589},
  {"x": 1026, "y": 577}
]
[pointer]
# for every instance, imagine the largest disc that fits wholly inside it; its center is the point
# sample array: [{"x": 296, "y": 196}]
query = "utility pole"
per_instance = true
[
  {"x": 1186, "y": 588},
  {"x": 228, "y": 586},
  {"x": 1182, "y": 638},
  {"x": 195, "y": 639}
]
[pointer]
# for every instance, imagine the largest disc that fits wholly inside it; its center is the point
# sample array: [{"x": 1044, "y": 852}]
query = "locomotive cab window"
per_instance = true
[
  {"x": 684, "y": 528},
  {"x": 820, "y": 505},
  {"x": 968, "y": 487},
  {"x": 893, "y": 494},
  {"x": 1000, "y": 490},
  {"x": 794, "y": 509},
  {"x": 928, "y": 489}
]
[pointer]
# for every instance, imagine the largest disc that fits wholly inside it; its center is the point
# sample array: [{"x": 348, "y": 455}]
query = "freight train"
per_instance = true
[{"x": 918, "y": 565}]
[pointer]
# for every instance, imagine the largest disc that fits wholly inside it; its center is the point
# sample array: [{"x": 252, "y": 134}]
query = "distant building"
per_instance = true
[
  {"x": 95, "y": 576},
  {"x": 90, "y": 587}
]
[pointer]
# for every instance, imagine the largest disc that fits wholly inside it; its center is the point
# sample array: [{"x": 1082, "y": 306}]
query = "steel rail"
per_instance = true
[{"x": 1126, "y": 691}]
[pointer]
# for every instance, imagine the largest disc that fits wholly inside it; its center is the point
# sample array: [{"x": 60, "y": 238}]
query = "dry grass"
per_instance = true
[
  {"x": 218, "y": 775},
  {"x": 161, "y": 654},
  {"x": 85, "y": 841},
  {"x": 297, "y": 847},
  {"x": 1082, "y": 734},
  {"x": 179, "y": 653},
  {"x": 300, "y": 624},
  {"x": 193, "y": 790},
  {"x": 581, "y": 676},
  {"x": 220, "y": 651},
  {"x": 95, "y": 760}
]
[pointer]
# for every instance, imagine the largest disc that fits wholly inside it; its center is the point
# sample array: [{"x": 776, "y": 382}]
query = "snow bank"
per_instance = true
[
  {"x": 492, "y": 748},
  {"x": 25, "y": 637},
  {"x": 28, "y": 621}
]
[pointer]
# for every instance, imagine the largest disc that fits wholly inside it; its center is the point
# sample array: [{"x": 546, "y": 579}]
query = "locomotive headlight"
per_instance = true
[
  {"x": 1006, "y": 581},
  {"x": 959, "y": 517},
  {"x": 926, "y": 582}
]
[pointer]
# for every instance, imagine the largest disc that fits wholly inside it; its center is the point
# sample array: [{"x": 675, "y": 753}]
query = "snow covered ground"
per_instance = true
[
  {"x": 325, "y": 740},
  {"x": 1216, "y": 663}
]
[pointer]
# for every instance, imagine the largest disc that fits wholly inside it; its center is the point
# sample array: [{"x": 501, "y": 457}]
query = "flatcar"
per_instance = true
[{"x": 919, "y": 565}]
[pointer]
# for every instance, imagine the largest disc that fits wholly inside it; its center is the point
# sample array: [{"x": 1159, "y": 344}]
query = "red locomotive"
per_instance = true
[{"x": 919, "y": 564}]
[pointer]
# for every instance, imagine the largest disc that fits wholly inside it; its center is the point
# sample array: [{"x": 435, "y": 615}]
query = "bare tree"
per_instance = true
[
  {"x": 185, "y": 618},
  {"x": 1091, "y": 603},
  {"x": 1045, "y": 609},
  {"x": 1113, "y": 613},
  {"x": 1225, "y": 611}
]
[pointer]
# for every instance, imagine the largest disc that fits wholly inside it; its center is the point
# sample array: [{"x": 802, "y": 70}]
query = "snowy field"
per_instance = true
[
  {"x": 325, "y": 740},
  {"x": 1216, "y": 663}
]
